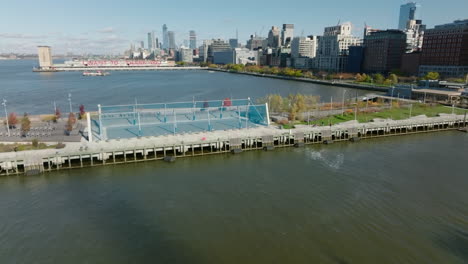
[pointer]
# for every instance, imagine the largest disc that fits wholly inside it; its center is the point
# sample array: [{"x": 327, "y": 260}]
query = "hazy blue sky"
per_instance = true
[{"x": 109, "y": 26}]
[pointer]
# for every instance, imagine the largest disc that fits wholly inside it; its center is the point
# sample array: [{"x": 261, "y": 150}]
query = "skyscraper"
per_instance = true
[
  {"x": 287, "y": 34},
  {"x": 165, "y": 34},
  {"x": 152, "y": 41},
  {"x": 333, "y": 47},
  {"x": 384, "y": 50},
  {"x": 193, "y": 39},
  {"x": 233, "y": 43},
  {"x": 409, "y": 11},
  {"x": 171, "y": 40},
  {"x": 274, "y": 37}
]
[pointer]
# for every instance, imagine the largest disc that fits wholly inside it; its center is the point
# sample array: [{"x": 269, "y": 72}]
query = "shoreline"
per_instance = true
[{"x": 315, "y": 81}]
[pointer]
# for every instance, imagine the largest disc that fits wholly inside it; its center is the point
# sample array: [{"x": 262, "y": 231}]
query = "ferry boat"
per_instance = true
[{"x": 96, "y": 73}]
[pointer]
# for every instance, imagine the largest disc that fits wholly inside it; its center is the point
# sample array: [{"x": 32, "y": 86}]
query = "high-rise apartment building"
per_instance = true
[
  {"x": 165, "y": 35},
  {"x": 287, "y": 34},
  {"x": 185, "y": 55},
  {"x": 234, "y": 43},
  {"x": 333, "y": 47},
  {"x": 409, "y": 11},
  {"x": 304, "y": 47},
  {"x": 274, "y": 39},
  {"x": 255, "y": 42},
  {"x": 192, "y": 39},
  {"x": 203, "y": 50},
  {"x": 414, "y": 35},
  {"x": 384, "y": 50},
  {"x": 152, "y": 41},
  {"x": 445, "y": 49},
  {"x": 171, "y": 40}
]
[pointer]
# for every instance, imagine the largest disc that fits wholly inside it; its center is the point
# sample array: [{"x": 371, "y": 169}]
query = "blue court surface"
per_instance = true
[{"x": 127, "y": 121}]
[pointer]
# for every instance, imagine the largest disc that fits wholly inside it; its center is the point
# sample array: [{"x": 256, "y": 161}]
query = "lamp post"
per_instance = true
[
  {"x": 6, "y": 116},
  {"x": 342, "y": 110},
  {"x": 70, "y": 101}
]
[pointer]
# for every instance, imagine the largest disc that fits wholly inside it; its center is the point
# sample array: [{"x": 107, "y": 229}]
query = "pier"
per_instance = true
[
  {"x": 59, "y": 68},
  {"x": 172, "y": 147}
]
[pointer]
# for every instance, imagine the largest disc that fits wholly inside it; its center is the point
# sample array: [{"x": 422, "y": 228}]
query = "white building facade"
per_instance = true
[{"x": 333, "y": 48}]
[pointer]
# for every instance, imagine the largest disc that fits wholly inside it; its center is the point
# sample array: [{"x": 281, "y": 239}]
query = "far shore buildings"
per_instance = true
[
  {"x": 303, "y": 50},
  {"x": 445, "y": 50},
  {"x": 383, "y": 51},
  {"x": 333, "y": 48},
  {"x": 193, "y": 39},
  {"x": 408, "y": 11},
  {"x": 287, "y": 34}
]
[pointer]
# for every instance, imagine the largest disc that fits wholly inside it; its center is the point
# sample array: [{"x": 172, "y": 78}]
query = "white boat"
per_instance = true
[{"x": 96, "y": 73}]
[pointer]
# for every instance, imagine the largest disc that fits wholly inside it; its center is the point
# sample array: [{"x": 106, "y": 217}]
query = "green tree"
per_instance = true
[
  {"x": 432, "y": 76},
  {"x": 379, "y": 78},
  {"x": 276, "y": 103},
  {"x": 393, "y": 78},
  {"x": 35, "y": 142},
  {"x": 367, "y": 78},
  {"x": 25, "y": 124},
  {"x": 388, "y": 82}
]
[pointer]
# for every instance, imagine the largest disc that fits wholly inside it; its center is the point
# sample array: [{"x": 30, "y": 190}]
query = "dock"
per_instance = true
[
  {"x": 171, "y": 147},
  {"x": 121, "y": 68}
]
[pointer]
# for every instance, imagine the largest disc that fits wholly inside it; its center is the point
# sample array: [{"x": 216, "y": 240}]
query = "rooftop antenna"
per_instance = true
[
  {"x": 237, "y": 34},
  {"x": 339, "y": 21},
  {"x": 302, "y": 33},
  {"x": 261, "y": 31}
]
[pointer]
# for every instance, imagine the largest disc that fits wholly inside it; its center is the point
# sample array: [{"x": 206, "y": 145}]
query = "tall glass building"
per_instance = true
[
  {"x": 165, "y": 44},
  {"x": 193, "y": 39},
  {"x": 409, "y": 11}
]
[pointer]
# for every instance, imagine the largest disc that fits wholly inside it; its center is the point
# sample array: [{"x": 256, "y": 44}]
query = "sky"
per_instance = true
[{"x": 110, "y": 26}]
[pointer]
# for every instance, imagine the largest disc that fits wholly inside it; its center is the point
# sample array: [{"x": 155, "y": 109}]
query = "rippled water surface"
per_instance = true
[
  {"x": 393, "y": 200},
  {"x": 31, "y": 92}
]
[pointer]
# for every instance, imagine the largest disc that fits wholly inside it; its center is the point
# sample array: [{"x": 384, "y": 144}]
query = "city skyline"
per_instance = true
[{"x": 102, "y": 32}]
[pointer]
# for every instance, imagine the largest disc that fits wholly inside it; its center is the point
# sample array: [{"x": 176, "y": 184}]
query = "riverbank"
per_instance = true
[
  {"x": 308, "y": 80},
  {"x": 170, "y": 147}
]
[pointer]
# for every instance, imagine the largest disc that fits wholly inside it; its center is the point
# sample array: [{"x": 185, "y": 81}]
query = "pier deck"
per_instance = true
[{"x": 83, "y": 154}]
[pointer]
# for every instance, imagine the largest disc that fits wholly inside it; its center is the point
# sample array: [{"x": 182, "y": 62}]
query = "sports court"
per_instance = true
[{"x": 141, "y": 120}]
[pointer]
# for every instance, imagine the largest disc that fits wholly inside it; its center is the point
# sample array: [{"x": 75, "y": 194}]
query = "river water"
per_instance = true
[{"x": 393, "y": 200}]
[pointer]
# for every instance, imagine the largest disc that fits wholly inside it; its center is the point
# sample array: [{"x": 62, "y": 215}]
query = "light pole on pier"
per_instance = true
[
  {"x": 70, "y": 101},
  {"x": 6, "y": 116},
  {"x": 342, "y": 110}
]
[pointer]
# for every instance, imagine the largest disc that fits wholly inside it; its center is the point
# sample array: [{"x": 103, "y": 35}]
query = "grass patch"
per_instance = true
[{"x": 395, "y": 113}]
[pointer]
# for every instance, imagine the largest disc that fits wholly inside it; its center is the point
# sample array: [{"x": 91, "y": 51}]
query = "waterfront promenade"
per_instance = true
[
  {"x": 169, "y": 147},
  {"x": 308, "y": 80}
]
